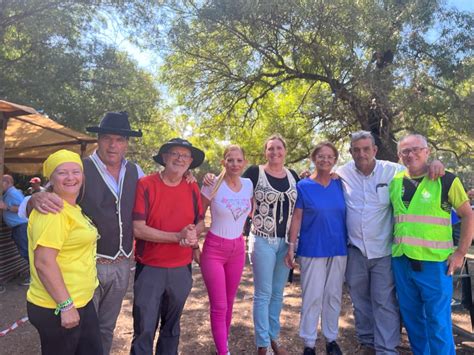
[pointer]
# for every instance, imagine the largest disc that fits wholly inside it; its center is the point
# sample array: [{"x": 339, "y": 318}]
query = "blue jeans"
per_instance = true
[
  {"x": 425, "y": 304},
  {"x": 269, "y": 276},
  {"x": 19, "y": 236}
]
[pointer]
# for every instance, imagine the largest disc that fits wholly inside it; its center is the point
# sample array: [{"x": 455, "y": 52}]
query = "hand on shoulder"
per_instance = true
[{"x": 46, "y": 202}]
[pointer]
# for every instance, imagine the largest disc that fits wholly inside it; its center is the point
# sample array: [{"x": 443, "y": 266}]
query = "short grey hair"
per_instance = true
[
  {"x": 356, "y": 136},
  {"x": 416, "y": 135}
]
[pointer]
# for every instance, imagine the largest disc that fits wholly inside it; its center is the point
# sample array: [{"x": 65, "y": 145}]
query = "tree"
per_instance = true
[
  {"x": 53, "y": 58},
  {"x": 385, "y": 66}
]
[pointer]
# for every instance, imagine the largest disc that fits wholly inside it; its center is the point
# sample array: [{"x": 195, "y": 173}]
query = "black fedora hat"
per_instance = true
[
  {"x": 197, "y": 154},
  {"x": 115, "y": 123}
]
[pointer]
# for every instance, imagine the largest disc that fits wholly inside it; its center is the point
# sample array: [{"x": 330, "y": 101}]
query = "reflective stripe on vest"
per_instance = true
[
  {"x": 423, "y": 242},
  {"x": 422, "y": 230},
  {"x": 413, "y": 218}
]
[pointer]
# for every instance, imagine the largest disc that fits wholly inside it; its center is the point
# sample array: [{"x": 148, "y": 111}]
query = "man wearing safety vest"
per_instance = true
[{"x": 423, "y": 257}]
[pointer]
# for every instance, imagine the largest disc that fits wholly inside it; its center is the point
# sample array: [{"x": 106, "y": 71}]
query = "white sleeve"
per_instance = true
[
  {"x": 249, "y": 187},
  {"x": 342, "y": 169},
  {"x": 22, "y": 207},
  {"x": 140, "y": 171},
  {"x": 400, "y": 167}
]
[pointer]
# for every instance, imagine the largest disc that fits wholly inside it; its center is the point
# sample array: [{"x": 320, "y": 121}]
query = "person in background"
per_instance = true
[
  {"x": 62, "y": 249},
  {"x": 35, "y": 187},
  {"x": 12, "y": 198},
  {"x": 423, "y": 258},
  {"x": 167, "y": 220},
  {"x": 470, "y": 194},
  {"x": 223, "y": 255},
  {"x": 320, "y": 220}
]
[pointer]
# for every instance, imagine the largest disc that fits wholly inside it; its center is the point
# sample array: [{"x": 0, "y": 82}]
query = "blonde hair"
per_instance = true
[{"x": 220, "y": 177}]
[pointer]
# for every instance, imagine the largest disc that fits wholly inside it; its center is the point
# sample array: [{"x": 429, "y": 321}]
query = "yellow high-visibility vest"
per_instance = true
[{"x": 423, "y": 230}]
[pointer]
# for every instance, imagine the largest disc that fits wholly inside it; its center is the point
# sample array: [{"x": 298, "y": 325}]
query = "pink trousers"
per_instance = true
[{"x": 222, "y": 263}]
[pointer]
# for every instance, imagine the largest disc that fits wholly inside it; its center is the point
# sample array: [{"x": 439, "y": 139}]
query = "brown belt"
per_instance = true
[{"x": 105, "y": 261}]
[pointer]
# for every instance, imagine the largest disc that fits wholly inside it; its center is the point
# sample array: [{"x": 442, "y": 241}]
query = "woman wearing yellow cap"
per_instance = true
[{"x": 62, "y": 249}]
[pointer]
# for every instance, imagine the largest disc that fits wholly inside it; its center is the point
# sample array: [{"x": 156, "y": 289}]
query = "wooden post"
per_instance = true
[
  {"x": 3, "y": 128},
  {"x": 83, "y": 149}
]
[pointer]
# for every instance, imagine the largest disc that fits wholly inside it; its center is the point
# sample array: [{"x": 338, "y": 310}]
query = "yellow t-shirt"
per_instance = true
[
  {"x": 457, "y": 195},
  {"x": 75, "y": 237}
]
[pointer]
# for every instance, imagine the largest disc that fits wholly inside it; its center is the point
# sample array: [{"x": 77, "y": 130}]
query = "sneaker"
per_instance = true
[
  {"x": 309, "y": 351},
  {"x": 262, "y": 350},
  {"x": 25, "y": 282},
  {"x": 333, "y": 349},
  {"x": 278, "y": 348}
]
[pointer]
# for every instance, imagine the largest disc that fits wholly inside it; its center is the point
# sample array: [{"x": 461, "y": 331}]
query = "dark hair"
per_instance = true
[{"x": 319, "y": 146}]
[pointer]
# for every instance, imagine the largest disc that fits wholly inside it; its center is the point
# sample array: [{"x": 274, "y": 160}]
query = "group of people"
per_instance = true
[{"x": 380, "y": 227}]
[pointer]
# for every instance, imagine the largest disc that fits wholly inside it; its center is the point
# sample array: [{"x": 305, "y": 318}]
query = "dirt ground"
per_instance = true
[{"x": 196, "y": 335}]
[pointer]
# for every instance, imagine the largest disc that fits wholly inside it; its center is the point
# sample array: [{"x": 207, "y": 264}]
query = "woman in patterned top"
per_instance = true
[{"x": 275, "y": 196}]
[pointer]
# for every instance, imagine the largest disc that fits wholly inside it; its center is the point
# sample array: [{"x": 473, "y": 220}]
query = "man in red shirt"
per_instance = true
[{"x": 167, "y": 220}]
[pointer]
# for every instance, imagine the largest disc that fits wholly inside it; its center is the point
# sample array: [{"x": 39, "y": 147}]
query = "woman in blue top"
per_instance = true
[{"x": 320, "y": 220}]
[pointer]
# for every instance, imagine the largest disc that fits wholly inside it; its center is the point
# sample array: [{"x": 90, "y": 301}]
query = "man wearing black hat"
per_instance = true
[
  {"x": 108, "y": 199},
  {"x": 167, "y": 220}
]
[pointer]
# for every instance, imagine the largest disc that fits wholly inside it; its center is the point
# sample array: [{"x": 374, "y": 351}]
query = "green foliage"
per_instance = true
[
  {"x": 155, "y": 132},
  {"x": 241, "y": 70},
  {"x": 303, "y": 68},
  {"x": 52, "y": 58}
]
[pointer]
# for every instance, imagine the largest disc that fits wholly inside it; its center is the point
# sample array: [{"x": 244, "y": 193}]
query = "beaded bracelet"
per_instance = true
[{"x": 62, "y": 305}]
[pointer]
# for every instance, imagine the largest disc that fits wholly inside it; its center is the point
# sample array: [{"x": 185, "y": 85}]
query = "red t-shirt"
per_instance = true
[{"x": 169, "y": 209}]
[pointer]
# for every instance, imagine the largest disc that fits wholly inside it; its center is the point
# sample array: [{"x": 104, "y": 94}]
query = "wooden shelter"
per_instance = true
[{"x": 31, "y": 138}]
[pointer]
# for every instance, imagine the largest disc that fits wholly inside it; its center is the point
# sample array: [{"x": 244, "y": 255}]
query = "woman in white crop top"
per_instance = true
[{"x": 223, "y": 255}]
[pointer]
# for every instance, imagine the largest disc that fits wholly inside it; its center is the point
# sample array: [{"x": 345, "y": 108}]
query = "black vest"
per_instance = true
[{"x": 112, "y": 218}]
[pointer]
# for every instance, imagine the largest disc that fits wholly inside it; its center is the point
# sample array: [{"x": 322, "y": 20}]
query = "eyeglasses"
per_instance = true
[
  {"x": 415, "y": 150},
  {"x": 176, "y": 155},
  {"x": 325, "y": 157}
]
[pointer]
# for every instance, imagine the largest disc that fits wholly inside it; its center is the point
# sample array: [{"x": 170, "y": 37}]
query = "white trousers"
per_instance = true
[{"x": 321, "y": 283}]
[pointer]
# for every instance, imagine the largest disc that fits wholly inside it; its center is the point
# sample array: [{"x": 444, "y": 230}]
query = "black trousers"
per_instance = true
[
  {"x": 159, "y": 298},
  {"x": 57, "y": 340}
]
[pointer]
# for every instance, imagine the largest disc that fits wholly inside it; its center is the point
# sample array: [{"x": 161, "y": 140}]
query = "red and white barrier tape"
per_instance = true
[{"x": 13, "y": 326}]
